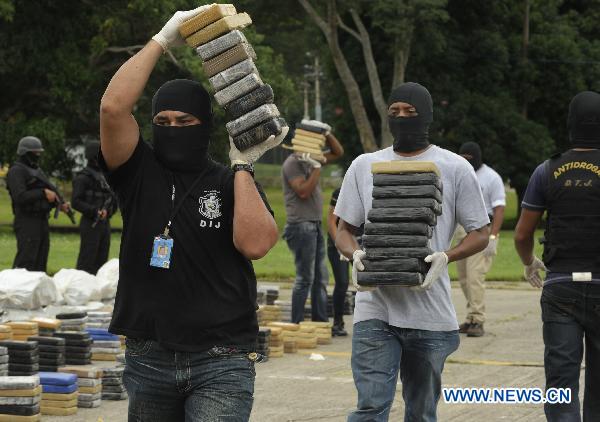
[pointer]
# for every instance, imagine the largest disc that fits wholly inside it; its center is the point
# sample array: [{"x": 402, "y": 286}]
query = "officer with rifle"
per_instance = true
[
  {"x": 94, "y": 199},
  {"x": 33, "y": 197}
]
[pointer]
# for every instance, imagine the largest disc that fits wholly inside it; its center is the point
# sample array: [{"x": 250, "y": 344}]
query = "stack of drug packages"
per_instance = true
[
  {"x": 98, "y": 319},
  {"x": 407, "y": 198},
  {"x": 22, "y": 330},
  {"x": 286, "y": 309},
  {"x": 3, "y": 361},
  {"x": 23, "y": 357},
  {"x": 322, "y": 330},
  {"x": 263, "y": 342},
  {"x": 47, "y": 326},
  {"x": 268, "y": 313},
  {"x": 73, "y": 321},
  {"x": 89, "y": 385},
  {"x": 308, "y": 139},
  {"x": 105, "y": 346},
  {"x": 78, "y": 347},
  {"x": 59, "y": 393},
  {"x": 228, "y": 62},
  {"x": 275, "y": 342},
  {"x": 5, "y": 332},
  {"x": 20, "y": 398},
  {"x": 289, "y": 336},
  {"x": 51, "y": 352},
  {"x": 112, "y": 383}
]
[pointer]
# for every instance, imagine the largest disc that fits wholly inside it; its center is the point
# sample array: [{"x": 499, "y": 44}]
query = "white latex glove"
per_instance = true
[
  {"x": 169, "y": 35},
  {"x": 308, "y": 159},
  {"x": 491, "y": 249},
  {"x": 532, "y": 272},
  {"x": 318, "y": 123},
  {"x": 343, "y": 258},
  {"x": 252, "y": 154},
  {"x": 439, "y": 262},
  {"x": 357, "y": 265}
]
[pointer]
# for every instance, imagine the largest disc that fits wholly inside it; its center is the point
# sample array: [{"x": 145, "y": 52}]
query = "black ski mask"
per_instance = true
[
  {"x": 92, "y": 149},
  {"x": 584, "y": 120},
  {"x": 411, "y": 133},
  {"x": 183, "y": 148},
  {"x": 473, "y": 152}
]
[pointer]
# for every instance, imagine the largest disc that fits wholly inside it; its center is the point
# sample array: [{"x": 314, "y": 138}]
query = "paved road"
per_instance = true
[{"x": 296, "y": 388}]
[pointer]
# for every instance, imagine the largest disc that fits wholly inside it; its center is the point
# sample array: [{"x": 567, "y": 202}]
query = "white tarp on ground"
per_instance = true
[
  {"x": 22, "y": 289},
  {"x": 77, "y": 287},
  {"x": 108, "y": 278}
]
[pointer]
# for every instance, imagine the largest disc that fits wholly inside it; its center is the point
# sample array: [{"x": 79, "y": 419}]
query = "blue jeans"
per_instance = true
[
  {"x": 380, "y": 351},
  {"x": 169, "y": 386},
  {"x": 571, "y": 316},
  {"x": 306, "y": 242}
]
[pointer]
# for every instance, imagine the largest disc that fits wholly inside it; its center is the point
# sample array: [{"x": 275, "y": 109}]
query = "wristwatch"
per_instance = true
[{"x": 245, "y": 167}]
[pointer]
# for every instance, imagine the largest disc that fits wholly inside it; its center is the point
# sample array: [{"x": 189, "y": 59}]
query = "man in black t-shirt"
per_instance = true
[{"x": 186, "y": 298}]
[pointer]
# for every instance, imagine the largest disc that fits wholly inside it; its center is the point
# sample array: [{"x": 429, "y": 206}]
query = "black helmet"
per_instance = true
[{"x": 29, "y": 144}]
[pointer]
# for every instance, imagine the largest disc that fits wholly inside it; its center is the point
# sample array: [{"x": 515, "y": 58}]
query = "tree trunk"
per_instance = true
[{"x": 329, "y": 29}]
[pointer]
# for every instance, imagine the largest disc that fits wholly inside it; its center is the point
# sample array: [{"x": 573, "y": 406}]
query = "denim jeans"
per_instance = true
[
  {"x": 306, "y": 242},
  {"x": 169, "y": 386},
  {"x": 571, "y": 316},
  {"x": 341, "y": 274},
  {"x": 380, "y": 351}
]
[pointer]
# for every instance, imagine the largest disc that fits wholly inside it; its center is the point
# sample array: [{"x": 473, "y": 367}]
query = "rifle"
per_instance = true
[
  {"x": 105, "y": 206},
  {"x": 59, "y": 200}
]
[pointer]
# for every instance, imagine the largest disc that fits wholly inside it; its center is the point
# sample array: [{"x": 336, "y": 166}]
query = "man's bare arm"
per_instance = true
[
  {"x": 524, "y": 233},
  {"x": 305, "y": 187},
  {"x": 474, "y": 242},
  {"x": 345, "y": 241},
  {"x": 497, "y": 220},
  {"x": 336, "y": 150}
]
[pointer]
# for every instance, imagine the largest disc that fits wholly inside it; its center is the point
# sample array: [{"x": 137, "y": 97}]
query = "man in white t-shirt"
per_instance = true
[
  {"x": 472, "y": 270},
  {"x": 408, "y": 330}
]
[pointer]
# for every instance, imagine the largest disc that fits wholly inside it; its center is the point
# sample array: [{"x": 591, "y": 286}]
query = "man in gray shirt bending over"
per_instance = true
[
  {"x": 303, "y": 231},
  {"x": 411, "y": 330}
]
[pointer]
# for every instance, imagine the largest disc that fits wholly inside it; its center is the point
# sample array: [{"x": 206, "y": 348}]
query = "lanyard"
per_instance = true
[{"x": 175, "y": 209}]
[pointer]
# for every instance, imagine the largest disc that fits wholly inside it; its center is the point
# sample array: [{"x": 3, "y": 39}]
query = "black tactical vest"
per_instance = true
[
  {"x": 98, "y": 192},
  {"x": 36, "y": 179},
  {"x": 572, "y": 237}
]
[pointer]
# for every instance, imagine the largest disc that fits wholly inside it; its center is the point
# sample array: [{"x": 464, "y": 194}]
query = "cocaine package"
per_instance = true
[
  {"x": 308, "y": 138},
  {"x": 407, "y": 199},
  {"x": 228, "y": 62}
]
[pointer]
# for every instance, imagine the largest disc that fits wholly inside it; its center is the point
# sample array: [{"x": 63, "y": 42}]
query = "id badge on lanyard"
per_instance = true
[{"x": 162, "y": 246}]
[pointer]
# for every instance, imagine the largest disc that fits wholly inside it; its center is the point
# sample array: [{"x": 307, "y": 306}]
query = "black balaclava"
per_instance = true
[
  {"x": 473, "y": 150},
  {"x": 411, "y": 133},
  {"x": 183, "y": 149},
  {"x": 584, "y": 120},
  {"x": 92, "y": 149},
  {"x": 32, "y": 159}
]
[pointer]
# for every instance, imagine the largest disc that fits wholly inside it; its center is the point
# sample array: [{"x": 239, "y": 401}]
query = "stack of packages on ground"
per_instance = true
[
  {"x": 59, "y": 393},
  {"x": 288, "y": 341},
  {"x": 78, "y": 341},
  {"x": 20, "y": 398},
  {"x": 47, "y": 326},
  {"x": 112, "y": 383},
  {"x": 5, "y": 332},
  {"x": 263, "y": 341},
  {"x": 308, "y": 139},
  {"x": 23, "y": 357},
  {"x": 275, "y": 342},
  {"x": 22, "y": 330},
  {"x": 98, "y": 319},
  {"x": 407, "y": 198},
  {"x": 306, "y": 337},
  {"x": 268, "y": 313},
  {"x": 228, "y": 62},
  {"x": 89, "y": 384},
  {"x": 322, "y": 330},
  {"x": 286, "y": 309},
  {"x": 51, "y": 352},
  {"x": 105, "y": 346},
  {"x": 3, "y": 361}
]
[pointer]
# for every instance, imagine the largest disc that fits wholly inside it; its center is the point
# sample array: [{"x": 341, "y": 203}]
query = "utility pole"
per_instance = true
[
  {"x": 317, "y": 69},
  {"x": 306, "y": 115}
]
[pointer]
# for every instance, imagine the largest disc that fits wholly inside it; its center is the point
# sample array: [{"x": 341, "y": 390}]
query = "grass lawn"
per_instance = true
[{"x": 278, "y": 264}]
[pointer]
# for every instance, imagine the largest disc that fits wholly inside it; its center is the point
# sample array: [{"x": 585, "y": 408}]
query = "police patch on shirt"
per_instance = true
[{"x": 210, "y": 205}]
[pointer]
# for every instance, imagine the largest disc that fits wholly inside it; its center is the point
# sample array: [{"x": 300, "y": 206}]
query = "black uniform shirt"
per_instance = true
[
  {"x": 26, "y": 198},
  {"x": 208, "y": 296}
]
